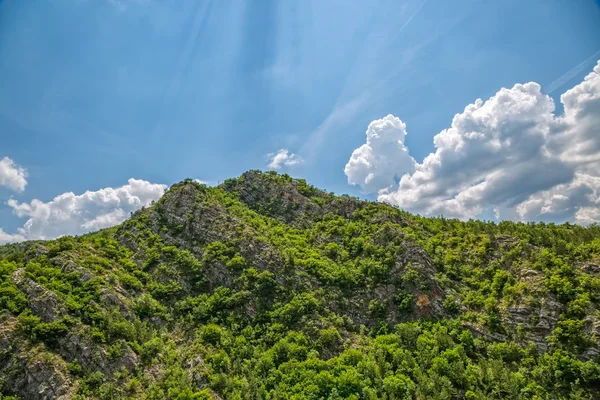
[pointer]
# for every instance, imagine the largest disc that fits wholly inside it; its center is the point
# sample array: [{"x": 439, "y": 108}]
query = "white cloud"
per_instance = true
[
  {"x": 12, "y": 176},
  {"x": 577, "y": 134},
  {"x": 205, "y": 182},
  {"x": 70, "y": 214},
  {"x": 383, "y": 158},
  {"x": 10, "y": 238},
  {"x": 510, "y": 154},
  {"x": 283, "y": 158},
  {"x": 577, "y": 201}
]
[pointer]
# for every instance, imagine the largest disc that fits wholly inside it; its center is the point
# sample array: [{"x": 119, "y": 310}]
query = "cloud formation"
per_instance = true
[
  {"x": 510, "y": 154},
  {"x": 383, "y": 158},
  {"x": 283, "y": 158},
  {"x": 70, "y": 214},
  {"x": 10, "y": 238},
  {"x": 12, "y": 176}
]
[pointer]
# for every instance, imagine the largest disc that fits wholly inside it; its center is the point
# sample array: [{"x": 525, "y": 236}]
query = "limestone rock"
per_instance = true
[{"x": 42, "y": 302}]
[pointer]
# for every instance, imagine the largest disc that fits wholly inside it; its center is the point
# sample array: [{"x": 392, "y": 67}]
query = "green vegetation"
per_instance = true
[{"x": 268, "y": 288}]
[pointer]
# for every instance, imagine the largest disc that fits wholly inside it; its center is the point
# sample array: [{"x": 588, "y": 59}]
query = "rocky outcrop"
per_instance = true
[
  {"x": 591, "y": 268},
  {"x": 72, "y": 267},
  {"x": 423, "y": 286},
  {"x": 35, "y": 250},
  {"x": 78, "y": 345},
  {"x": 290, "y": 201},
  {"x": 42, "y": 302},
  {"x": 29, "y": 371},
  {"x": 195, "y": 221}
]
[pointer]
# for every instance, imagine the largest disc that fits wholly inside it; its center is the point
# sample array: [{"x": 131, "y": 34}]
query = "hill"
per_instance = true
[{"x": 268, "y": 288}]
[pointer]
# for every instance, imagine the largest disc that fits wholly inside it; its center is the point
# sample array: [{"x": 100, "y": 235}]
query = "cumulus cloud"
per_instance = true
[
  {"x": 577, "y": 131},
  {"x": 283, "y": 158},
  {"x": 12, "y": 176},
  {"x": 10, "y": 238},
  {"x": 383, "y": 158},
  {"x": 71, "y": 214},
  {"x": 510, "y": 154},
  {"x": 578, "y": 200}
]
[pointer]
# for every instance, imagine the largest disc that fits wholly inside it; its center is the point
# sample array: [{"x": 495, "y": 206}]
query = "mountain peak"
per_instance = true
[{"x": 264, "y": 285}]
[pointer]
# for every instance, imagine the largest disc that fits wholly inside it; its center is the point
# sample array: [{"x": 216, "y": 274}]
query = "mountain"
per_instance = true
[{"x": 268, "y": 288}]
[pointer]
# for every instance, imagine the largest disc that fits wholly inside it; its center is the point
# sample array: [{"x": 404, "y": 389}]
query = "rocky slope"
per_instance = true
[{"x": 266, "y": 287}]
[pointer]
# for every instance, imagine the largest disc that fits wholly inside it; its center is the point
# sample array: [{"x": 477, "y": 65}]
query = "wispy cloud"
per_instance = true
[
  {"x": 570, "y": 74},
  {"x": 193, "y": 31},
  {"x": 122, "y": 5},
  {"x": 339, "y": 116},
  {"x": 411, "y": 17}
]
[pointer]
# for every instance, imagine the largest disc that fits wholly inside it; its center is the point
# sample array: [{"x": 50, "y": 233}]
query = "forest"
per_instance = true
[{"x": 265, "y": 287}]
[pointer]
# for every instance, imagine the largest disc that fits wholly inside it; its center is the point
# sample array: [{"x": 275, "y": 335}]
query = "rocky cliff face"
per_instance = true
[{"x": 28, "y": 370}]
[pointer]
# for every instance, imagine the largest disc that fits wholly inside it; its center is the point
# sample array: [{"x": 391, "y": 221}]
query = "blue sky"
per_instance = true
[{"x": 94, "y": 92}]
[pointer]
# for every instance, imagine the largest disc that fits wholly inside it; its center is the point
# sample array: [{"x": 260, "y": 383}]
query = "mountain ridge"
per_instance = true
[{"x": 266, "y": 287}]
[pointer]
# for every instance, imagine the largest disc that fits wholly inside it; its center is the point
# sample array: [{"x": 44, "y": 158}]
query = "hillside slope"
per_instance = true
[{"x": 268, "y": 288}]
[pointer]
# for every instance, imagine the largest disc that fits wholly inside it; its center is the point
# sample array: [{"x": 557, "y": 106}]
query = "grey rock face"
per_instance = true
[
  {"x": 42, "y": 302},
  {"x": 94, "y": 357},
  {"x": 72, "y": 267},
  {"x": 591, "y": 268},
  {"x": 25, "y": 370},
  {"x": 288, "y": 202},
  {"x": 36, "y": 250}
]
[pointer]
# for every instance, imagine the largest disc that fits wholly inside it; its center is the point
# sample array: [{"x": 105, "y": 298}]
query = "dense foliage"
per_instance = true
[{"x": 267, "y": 288}]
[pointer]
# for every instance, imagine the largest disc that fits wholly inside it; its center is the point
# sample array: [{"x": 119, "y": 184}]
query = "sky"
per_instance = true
[{"x": 469, "y": 108}]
